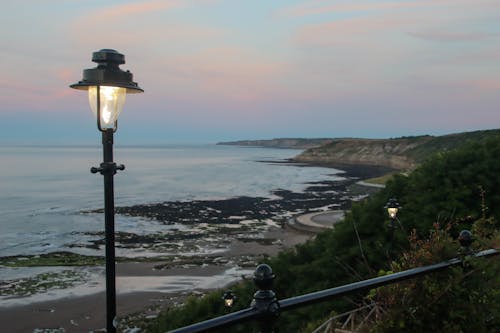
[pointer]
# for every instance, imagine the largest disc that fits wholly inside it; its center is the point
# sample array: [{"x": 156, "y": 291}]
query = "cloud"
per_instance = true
[
  {"x": 388, "y": 38},
  {"x": 199, "y": 62},
  {"x": 119, "y": 24},
  {"x": 324, "y": 7},
  {"x": 223, "y": 75},
  {"x": 445, "y": 36},
  {"x": 350, "y": 31},
  {"x": 317, "y": 7},
  {"x": 123, "y": 11},
  {"x": 436, "y": 20},
  {"x": 381, "y": 61},
  {"x": 146, "y": 27}
]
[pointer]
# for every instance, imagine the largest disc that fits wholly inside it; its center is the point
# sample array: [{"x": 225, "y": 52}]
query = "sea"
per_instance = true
[
  {"x": 45, "y": 189},
  {"x": 46, "y": 193}
]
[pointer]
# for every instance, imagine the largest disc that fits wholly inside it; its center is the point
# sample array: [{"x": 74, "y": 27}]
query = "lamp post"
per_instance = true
[
  {"x": 393, "y": 208},
  {"x": 264, "y": 299},
  {"x": 465, "y": 239},
  {"x": 107, "y": 86}
]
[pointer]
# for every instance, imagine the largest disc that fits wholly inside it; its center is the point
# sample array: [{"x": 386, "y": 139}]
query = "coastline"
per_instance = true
[
  {"x": 362, "y": 171},
  {"x": 86, "y": 313}
]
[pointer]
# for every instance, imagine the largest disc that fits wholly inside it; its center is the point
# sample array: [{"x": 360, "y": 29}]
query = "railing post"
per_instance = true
[
  {"x": 264, "y": 299},
  {"x": 465, "y": 239}
]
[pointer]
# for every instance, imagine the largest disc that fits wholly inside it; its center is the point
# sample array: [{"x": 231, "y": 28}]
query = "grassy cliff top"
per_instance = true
[
  {"x": 290, "y": 143},
  {"x": 397, "y": 153}
]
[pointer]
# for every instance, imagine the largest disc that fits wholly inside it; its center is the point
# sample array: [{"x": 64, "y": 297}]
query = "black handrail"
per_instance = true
[
  {"x": 274, "y": 306},
  {"x": 322, "y": 295},
  {"x": 222, "y": 321}
]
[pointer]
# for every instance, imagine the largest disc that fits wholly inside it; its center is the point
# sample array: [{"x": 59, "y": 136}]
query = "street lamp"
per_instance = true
[
  {"x": 228, "y": 299},
  {"x": 107, "y": 86},
  {"x": 392, "y": 208}
]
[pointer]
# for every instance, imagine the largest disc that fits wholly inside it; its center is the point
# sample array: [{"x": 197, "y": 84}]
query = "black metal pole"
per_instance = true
[
  {"x": 109, "y": 229},
  {"x": 108, "y": 169},
  {"x": 392, "y": 228}
]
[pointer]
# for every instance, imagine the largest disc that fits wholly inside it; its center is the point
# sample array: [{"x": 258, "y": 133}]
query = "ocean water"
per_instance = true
[{"x": 43, "y": 190}]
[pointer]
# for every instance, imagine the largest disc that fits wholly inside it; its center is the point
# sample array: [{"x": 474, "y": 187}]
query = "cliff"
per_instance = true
[
  {"x": 289, "y": 143},
  {"x": 392, "y": 153},
  {"x": 403, "y": 153}
]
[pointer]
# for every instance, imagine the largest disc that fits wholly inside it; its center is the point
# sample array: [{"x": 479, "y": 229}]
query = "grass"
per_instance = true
[
  {"x": 52, "y": 259},
  {"x": 382, "y": 180},
  {"x": 40, "y": 283}
]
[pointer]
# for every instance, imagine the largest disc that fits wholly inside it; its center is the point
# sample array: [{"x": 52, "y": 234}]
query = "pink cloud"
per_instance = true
[
  {"x": 349, "y": 31},
  {"x": 45, "y": 88},
  {"x": 148, "y": 30},
  {"x": 226, "y": 74},
  {"x": 436, "y": 21},
  {"x": 325, "y": 6},
  {"x": 445, "y": 36},
  {"x": 322, "y": 7},
  {"x": 373, "y": 57},
  {"x": 122, "y": 11},
  {"x": 18, "y": 95},
  {"x": 65, "y": 74},
  {"x": 485, "y": 85}
]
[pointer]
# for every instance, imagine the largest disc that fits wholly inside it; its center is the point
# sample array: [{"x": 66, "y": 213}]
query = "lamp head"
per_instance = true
[
  {"x": 393, "y": 212},
  {"x": 228, "y": 298},
  {"x": 107, "y": 86},
  {"x": 392, "y": 207}
]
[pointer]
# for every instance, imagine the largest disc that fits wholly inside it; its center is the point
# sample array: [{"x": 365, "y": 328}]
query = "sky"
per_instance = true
[{"x": 216, "y": 70}]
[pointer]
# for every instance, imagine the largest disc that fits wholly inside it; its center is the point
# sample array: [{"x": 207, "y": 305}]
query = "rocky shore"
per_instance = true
[{"x": 207, "y": 243}]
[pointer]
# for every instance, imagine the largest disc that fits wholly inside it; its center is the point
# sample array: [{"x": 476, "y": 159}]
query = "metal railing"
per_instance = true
[{"x": 265, "y": 307}]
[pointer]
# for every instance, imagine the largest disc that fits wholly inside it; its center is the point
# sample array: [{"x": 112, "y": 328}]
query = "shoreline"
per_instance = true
[
  {"x": 242, "y": 246},
  {"x": 363, "y": 171},
  {"x": 87, "y": 313}
]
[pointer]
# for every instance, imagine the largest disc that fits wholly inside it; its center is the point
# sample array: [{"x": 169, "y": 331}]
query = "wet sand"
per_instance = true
[{"x": 87, "y": 313}]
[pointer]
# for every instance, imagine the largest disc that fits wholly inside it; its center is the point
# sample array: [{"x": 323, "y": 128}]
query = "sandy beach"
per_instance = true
[{"x": 87, "y": 313}]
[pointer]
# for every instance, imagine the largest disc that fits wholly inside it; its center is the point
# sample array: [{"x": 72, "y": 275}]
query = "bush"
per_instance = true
[
  {"x": 460, "y": 299},
  {"x": 451, "y": 189}
]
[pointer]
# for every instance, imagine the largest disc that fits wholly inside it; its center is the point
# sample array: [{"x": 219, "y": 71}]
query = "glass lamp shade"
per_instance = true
[
  {"x": 111, "y": 101},
  {"x": 392, "y": 211},
  {"x": 228, "y": 302},
  {"x": 228, "y": 299}
]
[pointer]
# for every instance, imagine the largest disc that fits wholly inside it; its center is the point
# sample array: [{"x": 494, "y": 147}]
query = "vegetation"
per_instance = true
[
  {"x": 449, "y": 142},
  {"x": 40, "y": 283},
  {"x": 288, "y": 143},
  {"x": 456, "y": 300},
  {"x": 398, "y": 153},
  {"x": 51, "y": 259},
  {"x": 458, "y": 189},
  {"x": 382, "y": 180}
]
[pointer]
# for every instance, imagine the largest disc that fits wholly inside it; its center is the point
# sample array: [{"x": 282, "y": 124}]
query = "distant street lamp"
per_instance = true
[
  {"x": 392, "y": 208},
  {"x": 228, "y": 299},
  {"x": 107, "y": 86}
]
